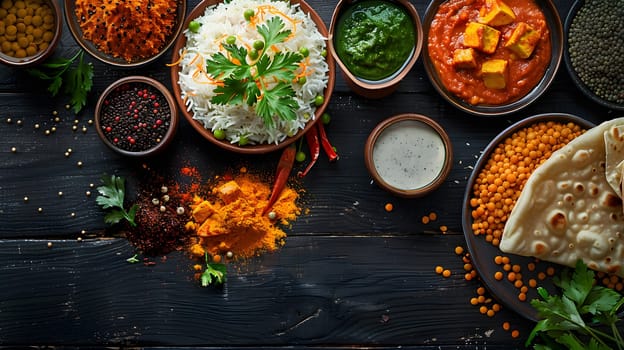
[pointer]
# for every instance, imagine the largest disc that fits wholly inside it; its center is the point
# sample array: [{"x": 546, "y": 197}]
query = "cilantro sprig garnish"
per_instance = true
[
  {"x": 215, "y": 273},
  {"x": 265, "y": 82},
  {"x": 111, "y": 197},
  {"x": 76, "y": 80},
  {"x": 577, "y": 318}
]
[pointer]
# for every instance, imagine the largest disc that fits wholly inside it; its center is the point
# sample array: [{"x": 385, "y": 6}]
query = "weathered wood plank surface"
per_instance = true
[{"x": 350, "y": 274}]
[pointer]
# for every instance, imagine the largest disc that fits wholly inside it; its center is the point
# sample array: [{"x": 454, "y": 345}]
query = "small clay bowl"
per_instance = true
[
  {"x": 409, "y": 155},
  {"x": 114, "y": 59},
  {"x": 136, "y": 116},
  {"x": 375, "y": 89},
  {"x": 42, "y": 53}
]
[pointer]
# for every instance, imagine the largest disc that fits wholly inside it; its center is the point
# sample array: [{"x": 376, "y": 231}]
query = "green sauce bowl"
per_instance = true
[{"x": 375, "y": 43}]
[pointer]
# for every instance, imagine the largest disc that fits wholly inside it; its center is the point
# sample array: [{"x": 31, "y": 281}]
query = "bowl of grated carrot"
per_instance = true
[{"x": 125, "y": 33}]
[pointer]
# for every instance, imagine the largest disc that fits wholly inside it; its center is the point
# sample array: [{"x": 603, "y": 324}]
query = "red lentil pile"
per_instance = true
[{"x": 502, "y": 179}]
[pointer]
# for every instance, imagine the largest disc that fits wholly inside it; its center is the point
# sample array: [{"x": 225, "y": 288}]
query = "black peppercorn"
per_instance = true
[{"x": 135, "y": 117}]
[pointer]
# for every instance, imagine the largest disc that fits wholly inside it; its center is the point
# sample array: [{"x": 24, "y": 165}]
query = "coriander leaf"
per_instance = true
[
  {"x": 271, "y": 32},
  {"x": 571, "y": 342},
  {"x": 600, "y": 299},
  {"x": 282, "y": 67},
  {"x": 277, "y": 101},
  {"x": 266, "y": 83},
  {"x": 215, "y": 273},
  {"x": 77, "y": 80},
  {"x": 111, "y": 196},
  {"x": 577, "y": 286}
]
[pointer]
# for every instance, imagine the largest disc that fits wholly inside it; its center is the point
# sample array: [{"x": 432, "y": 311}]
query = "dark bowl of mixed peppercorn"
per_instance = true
[
  {"x": 136, "y": 116},
  {"x": 594, "y": 50}
]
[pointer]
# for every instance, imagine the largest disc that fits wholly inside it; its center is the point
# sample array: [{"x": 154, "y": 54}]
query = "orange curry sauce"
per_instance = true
[{"x": 447, "y": 34}]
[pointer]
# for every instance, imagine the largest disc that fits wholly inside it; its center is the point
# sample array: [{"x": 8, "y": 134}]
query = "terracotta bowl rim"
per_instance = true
[
  {"x": 418, "y": 192},
  {"x": 169, "y": 135},
  {"x": 397, "y": 77},
  {"x": 259, "y": 148}
]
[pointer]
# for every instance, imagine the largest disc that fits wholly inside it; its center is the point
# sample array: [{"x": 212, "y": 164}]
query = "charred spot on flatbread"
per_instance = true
[
  {"x": 558, "y": 221},
  {"x": 611, "y": 200}
]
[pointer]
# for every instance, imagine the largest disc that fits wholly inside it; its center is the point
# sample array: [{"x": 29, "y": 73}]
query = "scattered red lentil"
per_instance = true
[
  {"x": 389, "y": 207},
  {"x": 459, "y": 250},
  {"x": 446, "y": 273}
]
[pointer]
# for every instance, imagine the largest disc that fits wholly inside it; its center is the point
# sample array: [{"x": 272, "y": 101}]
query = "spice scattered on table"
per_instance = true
[
  {"x": 130, "y": 29},
  {"x": 229, "y": 218},
  {"x": 135, "y": 117}
]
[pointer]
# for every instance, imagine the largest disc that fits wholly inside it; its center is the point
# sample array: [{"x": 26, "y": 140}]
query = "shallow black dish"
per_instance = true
[
  {"x": 568, "y": 62},
  {"x": 482, "y": 253}
]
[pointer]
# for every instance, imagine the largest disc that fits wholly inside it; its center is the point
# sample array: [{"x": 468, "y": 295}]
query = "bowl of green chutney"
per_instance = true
[{"x": 375, "y": 43}]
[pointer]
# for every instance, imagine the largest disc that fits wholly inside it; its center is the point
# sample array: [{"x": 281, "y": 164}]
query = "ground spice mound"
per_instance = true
[
  {"x": 160, "y": 218},
  {"x": 229, "y": 219},
  {"x": 128, "y": 29}
]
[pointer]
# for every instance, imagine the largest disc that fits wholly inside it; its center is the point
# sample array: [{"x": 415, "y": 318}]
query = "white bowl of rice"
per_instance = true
[{"x": 246, "y": 106}]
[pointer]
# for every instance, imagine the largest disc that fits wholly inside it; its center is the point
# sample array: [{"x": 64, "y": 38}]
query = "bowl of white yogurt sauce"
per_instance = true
[{"x": 409, "y": 155}]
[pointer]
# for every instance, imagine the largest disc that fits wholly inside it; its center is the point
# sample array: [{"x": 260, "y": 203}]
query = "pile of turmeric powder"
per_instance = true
[
  {"x": 128, "y": 29},
  {"x": 230, "y": 220}
]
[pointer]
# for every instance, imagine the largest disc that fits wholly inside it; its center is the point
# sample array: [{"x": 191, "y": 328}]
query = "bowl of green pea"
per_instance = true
[
  {"x": 30, "y": 31},
  {"x": 375, "y": 43}
]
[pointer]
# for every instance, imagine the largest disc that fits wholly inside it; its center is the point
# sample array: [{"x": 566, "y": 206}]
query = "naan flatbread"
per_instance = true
[{"x": 568, "y": 210}]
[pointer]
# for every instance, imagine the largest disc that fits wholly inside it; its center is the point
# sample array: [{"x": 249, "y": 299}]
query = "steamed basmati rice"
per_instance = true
[{"x": 225, "y": 19}]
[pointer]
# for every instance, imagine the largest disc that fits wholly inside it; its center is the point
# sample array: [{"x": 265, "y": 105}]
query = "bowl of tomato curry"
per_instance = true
[{"x": 492, "y": 57}]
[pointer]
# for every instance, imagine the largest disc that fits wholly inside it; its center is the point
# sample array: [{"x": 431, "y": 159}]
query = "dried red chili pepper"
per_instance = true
[
  {"x": 315, "y": 149},
  {"x": 327, "y": 147},
  {"x": 284, "y": 166}
]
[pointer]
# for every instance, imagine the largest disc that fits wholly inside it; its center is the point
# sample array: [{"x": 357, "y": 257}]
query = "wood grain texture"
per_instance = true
[
  {"x": 350, "y": 274},
  {"x": 315, "y": 291}
]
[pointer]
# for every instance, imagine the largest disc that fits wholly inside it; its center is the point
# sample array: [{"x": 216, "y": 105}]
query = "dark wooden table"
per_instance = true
[{"x": 350, "y": 273}]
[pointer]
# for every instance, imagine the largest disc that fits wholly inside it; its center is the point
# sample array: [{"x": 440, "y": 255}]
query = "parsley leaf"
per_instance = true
[
  {"x": 76, "y": 80},
  {"x": 572, "y": 320},
  {"x": 265, "y": 82},
  {"x": 215, "y": 273},
  {"x": 111, "y": 197}
]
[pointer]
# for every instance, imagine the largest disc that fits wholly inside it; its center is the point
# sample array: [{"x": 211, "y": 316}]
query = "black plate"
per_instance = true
[
  {"x": 482, "y": 253},
  {"x": 575, "y": 78}
]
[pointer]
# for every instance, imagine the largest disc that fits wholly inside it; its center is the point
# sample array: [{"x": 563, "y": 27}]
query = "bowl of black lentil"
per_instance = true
[
  {"x": 136, "y": 116},
  {"x": 29, "y": 31},
  {"x": 594, "y": 50}
]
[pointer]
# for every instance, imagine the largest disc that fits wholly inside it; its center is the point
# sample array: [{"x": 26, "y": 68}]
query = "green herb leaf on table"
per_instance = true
[
  {"x": 215, "y": 273},
  {"x": 576, "y": 319},
  {"x": 76, "y": 80},
  {"x": 112, "y": 195},
  {"x": 265, "y": 82}
]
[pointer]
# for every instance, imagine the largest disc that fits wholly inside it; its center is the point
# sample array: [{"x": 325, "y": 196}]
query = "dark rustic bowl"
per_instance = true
[
  {"x": 396, "y": 121},
  {"x": 207, "y": 134},
  {"x": 573, "y": 74},
  {"x": 482, "y": 253},
  {"x": 42, "y": 55},
  {"x": 173, "y": 124},
  {"x": 88, "y": 46},
  {"x": 556, "y": 37},
  {"x": 384, "y": 87}
]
